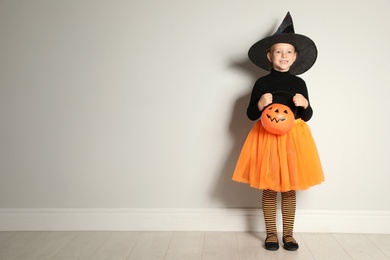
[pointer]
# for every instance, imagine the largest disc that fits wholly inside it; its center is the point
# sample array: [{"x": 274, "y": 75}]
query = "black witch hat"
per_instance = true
[{"x": 305, "y": 47}]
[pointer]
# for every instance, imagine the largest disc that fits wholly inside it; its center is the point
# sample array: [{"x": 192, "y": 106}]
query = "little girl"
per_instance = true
[{"x": 288, "y": 162}]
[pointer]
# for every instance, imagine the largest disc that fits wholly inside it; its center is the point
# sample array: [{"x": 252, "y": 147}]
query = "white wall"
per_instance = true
[{"x": 141, "y": 104}]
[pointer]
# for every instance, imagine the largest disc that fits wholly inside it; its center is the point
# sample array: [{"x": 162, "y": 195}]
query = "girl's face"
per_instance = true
[{"x": 282, "y": 56}]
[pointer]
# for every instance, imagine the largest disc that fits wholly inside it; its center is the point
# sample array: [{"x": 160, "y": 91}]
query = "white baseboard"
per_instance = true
[{"x": 189, "y": 220}]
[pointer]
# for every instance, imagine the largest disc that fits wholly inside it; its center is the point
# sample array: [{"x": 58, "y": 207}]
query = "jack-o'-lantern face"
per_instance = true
[{"x": 277, "y": 119}]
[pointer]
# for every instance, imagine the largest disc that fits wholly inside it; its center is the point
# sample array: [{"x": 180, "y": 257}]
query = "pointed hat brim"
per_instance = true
[{"x": 306, "y": 48}]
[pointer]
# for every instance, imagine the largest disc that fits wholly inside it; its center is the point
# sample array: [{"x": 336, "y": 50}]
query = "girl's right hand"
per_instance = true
[{"x": 264, "y": 101}]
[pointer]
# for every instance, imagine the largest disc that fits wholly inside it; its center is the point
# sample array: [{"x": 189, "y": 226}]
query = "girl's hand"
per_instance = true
[
  {"x": 300, "y": 101},
  {"x": 264, "y": 101}
]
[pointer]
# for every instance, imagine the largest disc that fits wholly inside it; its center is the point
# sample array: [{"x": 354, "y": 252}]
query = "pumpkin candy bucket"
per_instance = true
[{"x": 278, "y": 118}]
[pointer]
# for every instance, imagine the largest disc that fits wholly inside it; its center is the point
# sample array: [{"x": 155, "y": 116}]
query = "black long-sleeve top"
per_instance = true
[{"x": 282, "y": 82}]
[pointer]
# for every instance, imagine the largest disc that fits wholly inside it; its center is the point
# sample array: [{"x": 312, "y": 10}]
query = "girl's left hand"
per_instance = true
[{"x": 300, "y": 101}]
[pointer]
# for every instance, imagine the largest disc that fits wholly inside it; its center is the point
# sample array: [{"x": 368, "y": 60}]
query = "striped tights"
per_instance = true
[{"x": 288, "y": 213}]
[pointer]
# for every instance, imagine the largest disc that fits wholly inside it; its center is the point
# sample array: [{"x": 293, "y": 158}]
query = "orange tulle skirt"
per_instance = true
[{"x": 279, "y": 162}]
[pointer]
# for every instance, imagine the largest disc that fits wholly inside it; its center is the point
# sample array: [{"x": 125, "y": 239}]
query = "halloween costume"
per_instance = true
[
  {"x": 279, "y": 161},
  {"x": 289, "y": 161}
]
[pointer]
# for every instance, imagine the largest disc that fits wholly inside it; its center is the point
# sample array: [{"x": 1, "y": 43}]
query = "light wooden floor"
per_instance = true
[{"x": 186, "y": 245}]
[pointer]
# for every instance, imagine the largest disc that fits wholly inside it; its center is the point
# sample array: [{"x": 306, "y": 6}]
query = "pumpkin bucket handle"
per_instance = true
[{"x": 282, "y": 92}]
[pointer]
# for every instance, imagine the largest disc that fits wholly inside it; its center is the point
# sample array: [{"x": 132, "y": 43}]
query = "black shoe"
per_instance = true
[
  {"x": 272, "y": 246},
  {"x": 290, "y": 246}
]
